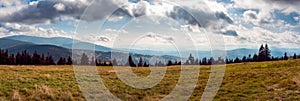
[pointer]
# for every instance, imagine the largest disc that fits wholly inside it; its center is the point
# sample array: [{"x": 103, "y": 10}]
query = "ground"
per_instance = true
[{"x": 277, "y": 80}]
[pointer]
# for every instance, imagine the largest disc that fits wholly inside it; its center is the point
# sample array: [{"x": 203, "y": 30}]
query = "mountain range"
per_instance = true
[{"x": 62, "y": 47}]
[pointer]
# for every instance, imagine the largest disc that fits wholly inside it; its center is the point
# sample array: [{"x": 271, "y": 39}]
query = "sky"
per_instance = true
[{"x": 157, "y": 24}]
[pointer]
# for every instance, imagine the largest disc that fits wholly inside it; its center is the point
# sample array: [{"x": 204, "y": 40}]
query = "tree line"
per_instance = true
[
  {"x": 264, "y": 54},
  {"x": 24, "y": 58}
]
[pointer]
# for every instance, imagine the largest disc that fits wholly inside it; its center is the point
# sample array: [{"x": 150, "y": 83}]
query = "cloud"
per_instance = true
[
  {"x": 10, "y": 29},
  {"x": 224, "y": 16},
  {"x": 59, "y": 7},
  {"x": 11, "y": 2},
  {"x": 185, "y": 15},
  {"x": 267, "y": 8},
  {"x": 251, "y": 16},
  {"x": 115, "y": 31},
  {"x": 103, "y": 39},
  {"x": 50, "y": 11},
  {"x": 230, "y": 33},
  {"x": 179, "y": 13},
  {"x": 254, "y": 18},
  {"x": 160, "y": 38},
  {"x": 257, "y": 35},
  {"x": 47, "y": 11},
  {"x": 297, "y": 18}
]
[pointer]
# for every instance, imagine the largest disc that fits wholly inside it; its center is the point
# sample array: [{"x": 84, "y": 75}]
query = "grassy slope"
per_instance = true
[{"x": 268, "y": 80}]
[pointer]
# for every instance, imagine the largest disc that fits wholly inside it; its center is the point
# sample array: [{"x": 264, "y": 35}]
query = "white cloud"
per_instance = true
[
  {"x": 297, "y": 18},
  {"x": 251, "y": 16},
  {"x": 12, "y": 2},
  {"x": 114, "y": 31},
  {"x": 257, "y": 35},
  {"x": 160, "y": 38},
  {"x": 267, "y": 7},
  {"x": 59, "y": 7},
  {"x": 10, "y": 29}
]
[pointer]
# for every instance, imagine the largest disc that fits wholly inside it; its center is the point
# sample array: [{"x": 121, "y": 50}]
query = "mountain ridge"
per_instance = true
[{"x": 68, "y": 43}]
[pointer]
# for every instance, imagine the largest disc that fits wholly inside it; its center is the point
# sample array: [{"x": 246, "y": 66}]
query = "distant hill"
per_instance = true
[
  {"x": 8, "y": 43},
  {"x": 277, "y": 52},
  {"x": 55, "y": 51},
  {"x": 66, "y": 44},
  {"x": 59, "y": 41},
  {"x": 14, "y": 46}
]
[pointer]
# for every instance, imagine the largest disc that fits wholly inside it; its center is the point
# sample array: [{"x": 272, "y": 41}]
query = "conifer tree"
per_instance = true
[
  {"x": 130, "y": 62},
  {"x": 84, "y": 59},
  {"x": 140, "y": 64},
  {"x": 69, "y": 61},
  {"x": 267, "y": 53},
  {"x": 285, "y": 56},
  {"x": 261, "y": 53}
]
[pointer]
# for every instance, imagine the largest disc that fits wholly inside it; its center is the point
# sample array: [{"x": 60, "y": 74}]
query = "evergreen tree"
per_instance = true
[
  {"x": 49, "y": 60},
  {"x": 42, "y": 59},
  {"x": 93, "y": 62},
  {"x": 267, "y": 53},
  {"x": 261, "y": 53},
  {"x": 115, "y": 63},
  {"x": 285, "y": 56},
  {"x": 204, "y": 61},
  {"x": 187, "y": 62},
  {"x": 244, "y": 59},
  {"x": 140, "y": 64},
  {"x": 169, "y": 63},
  {"x": 191, "y": 60},
  {"x": 84, "y": 59},
  {"x": 130, "y": 62},
  {"x": 36, "y": 58},
  {"x": 295, "y": 56},
  {"x": 12, "y": 60},
  {"x": 146, "y": 65},
  {"x": 249, "y": 58},
  {"x": 220, "y": 60},
  {"x": 211, "y": 61},
  {"x": 179, "y": 63},
  {"x": 18, "y": 59},
  {"x": 255, "y": 58},
  {"x": 196, "y": 62},
  {"x": 69, "y": 61},
  {"x": 61, "y": 61},
  {"x": 110, "y": 64},
  {"x": 237, "y": 60}
]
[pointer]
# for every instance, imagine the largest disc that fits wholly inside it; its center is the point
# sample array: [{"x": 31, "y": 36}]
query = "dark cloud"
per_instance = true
[
  {"x": 222, "y": 15},
  {"x": 99, "y": 9},
  {"x": 182, "y": 14},
  {"x": 104, "y": 39},
  {"x": 230, "y": 33},
  {"x": 157, "y": 36},
  {"x": 198, "y": 17},
  {"x": 49, "y": 11},
  {"x": 289, "y": 2},
  {"x": 46, "y": 11}
]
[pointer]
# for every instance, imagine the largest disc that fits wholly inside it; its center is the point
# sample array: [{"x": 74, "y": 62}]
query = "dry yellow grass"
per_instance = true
[{"x": 278, "y": 80}]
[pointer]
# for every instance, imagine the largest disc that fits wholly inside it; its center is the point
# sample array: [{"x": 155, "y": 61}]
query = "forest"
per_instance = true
[{"x": 24, "y": 58}]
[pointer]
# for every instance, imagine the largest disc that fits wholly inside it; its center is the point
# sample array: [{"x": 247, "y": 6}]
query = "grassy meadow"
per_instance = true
[{"x": 276, "y": 80}]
